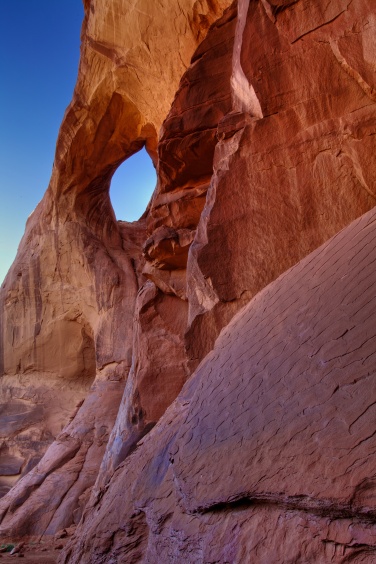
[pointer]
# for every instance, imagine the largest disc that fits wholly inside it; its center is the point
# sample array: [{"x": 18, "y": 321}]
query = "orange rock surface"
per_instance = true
[
  {"x": 67, "y": 304},
  {"x": 260, "y": 118}
]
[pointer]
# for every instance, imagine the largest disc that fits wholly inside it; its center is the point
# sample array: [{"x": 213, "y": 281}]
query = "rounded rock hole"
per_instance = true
[{"x": 132, "y": 186}]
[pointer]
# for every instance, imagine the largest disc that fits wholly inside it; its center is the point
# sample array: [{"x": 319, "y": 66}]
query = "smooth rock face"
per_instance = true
[
  {"x": 260, "y": 119},
  {"x": 268, "y": 453}
]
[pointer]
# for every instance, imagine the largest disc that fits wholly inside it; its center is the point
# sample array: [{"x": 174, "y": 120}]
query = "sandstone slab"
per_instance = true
[{"x": 268, "y": 452}]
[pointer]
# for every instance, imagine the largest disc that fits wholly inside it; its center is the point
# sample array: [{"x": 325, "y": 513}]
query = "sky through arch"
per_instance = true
[
  {"x": 132, "y": 186},
  {"x": 39, "y": 55}
]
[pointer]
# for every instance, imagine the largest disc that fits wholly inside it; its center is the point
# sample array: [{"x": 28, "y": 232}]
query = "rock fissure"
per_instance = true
[
  {"x": 321, "y": 25},
  {"x": 323, "y": 508}
]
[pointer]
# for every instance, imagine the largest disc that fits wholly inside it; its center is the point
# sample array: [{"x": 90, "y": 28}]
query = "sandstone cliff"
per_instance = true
[
  {"x": 260, "y": 119},
  {"x": 267, "y": 455}
]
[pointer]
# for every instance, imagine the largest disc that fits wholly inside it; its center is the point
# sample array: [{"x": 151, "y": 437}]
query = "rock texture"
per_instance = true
[
  {"x": 268, "y": 453},
  {"x": 260, "y": 118},
  {"x": 68, "y": 301},
  {"x": 290, "y": 168}
]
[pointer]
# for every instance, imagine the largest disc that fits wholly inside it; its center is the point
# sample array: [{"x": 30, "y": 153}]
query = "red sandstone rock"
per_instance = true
[
  {"x": 290, "y": 177},
  {"x": 67, "y": 304},
  {"x": 156, "y": 376},
  {"x": 267, "y": 455},
  {"x": 266, "y": 151}
]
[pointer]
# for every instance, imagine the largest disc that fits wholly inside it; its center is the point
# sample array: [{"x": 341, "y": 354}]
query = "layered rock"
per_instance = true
[
  {"x": 265, "y": 152},
  {"x": 268, "y": 453},
  {"x": 68, "y": 301},
  {"x": 295, "y": 160}
]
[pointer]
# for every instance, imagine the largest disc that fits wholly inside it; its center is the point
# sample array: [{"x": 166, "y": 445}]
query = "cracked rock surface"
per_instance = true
[{"x": 268, "y": 453}]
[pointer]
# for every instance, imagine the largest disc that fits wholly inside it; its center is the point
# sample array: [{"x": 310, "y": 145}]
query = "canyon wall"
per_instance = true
[
  {"x": 268, "y": 453},
  {"x": 260, "y": 119},
  {"x": 67, "y": 304}
]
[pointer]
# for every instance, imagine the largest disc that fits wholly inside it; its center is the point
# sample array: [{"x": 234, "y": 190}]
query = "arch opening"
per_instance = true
[{"x": 132, "y": 186}]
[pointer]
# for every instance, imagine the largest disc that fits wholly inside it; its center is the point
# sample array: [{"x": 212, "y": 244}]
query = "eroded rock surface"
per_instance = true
[
  {"x": 294, "y": 163},
  {"x": 268, "y": 453},
  {"x": 68, "y": 301},
  {"x": 260, "y": 118}
]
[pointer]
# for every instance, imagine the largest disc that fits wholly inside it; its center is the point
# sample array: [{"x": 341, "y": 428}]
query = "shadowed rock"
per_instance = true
[
  {"x": 260, "y": 119},
  {"x": 268, "y": 453}
]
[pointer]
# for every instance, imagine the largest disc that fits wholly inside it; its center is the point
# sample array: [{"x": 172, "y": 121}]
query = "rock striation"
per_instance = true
[
  {"x": 268, "y": 453},
  {"x": 260, "y": 118},
  {"x": 68, "y": 301}
]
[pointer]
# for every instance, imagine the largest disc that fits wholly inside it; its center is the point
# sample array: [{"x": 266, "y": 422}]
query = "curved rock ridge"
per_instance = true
[
  {"x": 260, "y": 119},
  {"x": 67, "y": 303},
  {"x": 268, "y": 453}
]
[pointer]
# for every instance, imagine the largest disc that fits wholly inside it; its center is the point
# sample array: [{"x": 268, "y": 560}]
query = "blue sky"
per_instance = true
[{"x": 39, "y": 53}]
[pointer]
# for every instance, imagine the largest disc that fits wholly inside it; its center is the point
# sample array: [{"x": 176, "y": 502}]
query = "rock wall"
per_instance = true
[
  {"x": 68, "y": 301},
  {"x": 260, "y": 119},
  {"x": 294, "y": 163},
  {"x": 268, "y": 453}
]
